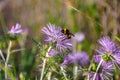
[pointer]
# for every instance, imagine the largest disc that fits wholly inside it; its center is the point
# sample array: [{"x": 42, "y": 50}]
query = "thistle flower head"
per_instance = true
[
  {"x": 54, "y": 35},
  {"x": 80, "y": 58},
  {"x": 108, "y": 51},
  {"x": 107, "y": 45},
  {"x": 16, "y": 29},
  {"x": 105, "y": 72}
]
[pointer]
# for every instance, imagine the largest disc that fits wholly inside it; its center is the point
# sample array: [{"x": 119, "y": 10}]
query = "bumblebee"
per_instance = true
[{"x": 67, "y": 33}]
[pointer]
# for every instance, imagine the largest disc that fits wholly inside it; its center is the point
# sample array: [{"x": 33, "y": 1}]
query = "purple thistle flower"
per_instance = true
[
  {"x": 106, "y": 45},
  {"x": 80, "y": 58},
  {"x": 52, "y": 32},
  {"x": 105, "y": 72},
  {"x": 54, "y": 35},
  {"x": 16, "y": 29},
  {"x": 108, "y": 51},
  {"x": 79, "y": 37}
]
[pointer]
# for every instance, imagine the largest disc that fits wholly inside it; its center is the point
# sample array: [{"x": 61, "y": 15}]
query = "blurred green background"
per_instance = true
[{"x": 93, "y": 17}]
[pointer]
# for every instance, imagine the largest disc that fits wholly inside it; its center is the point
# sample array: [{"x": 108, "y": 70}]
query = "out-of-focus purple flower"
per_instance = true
[
  {"x": 108, "y": 51},
  {"x": 26, "y": 31},
  {"x": 79, "y": 37},
  {"x": 80, "y": 58},
  {"x": 53, "y": 53},
  {"x": 105, "y": 72},
  {"x": 54, "y": 34},
  {"x": 16, "y": 29}
]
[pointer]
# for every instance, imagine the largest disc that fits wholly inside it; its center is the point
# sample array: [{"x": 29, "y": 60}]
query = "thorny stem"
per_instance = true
[
  {"x": 44, "y": 63},
  {"x": 97, "y": 69},
  {"x": 63, "y": 71},
  {"x": 7, "y": 59}
]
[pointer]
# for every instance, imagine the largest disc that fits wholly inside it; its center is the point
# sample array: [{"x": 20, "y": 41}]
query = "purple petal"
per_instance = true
[
  {"x": 107, "y": 44},
  {"x": 16, "y": 30},
  {"x": 79, "y": 37},
  {"x": 18, "y": 26},
  {"x": 53, "y": 53},
  {"x": 97, "y": 58}
]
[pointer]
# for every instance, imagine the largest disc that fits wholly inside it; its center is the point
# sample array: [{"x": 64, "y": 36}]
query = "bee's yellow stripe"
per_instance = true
[
  {"x": 69, "y": 35},
  {"x": 65, "y": 30}
]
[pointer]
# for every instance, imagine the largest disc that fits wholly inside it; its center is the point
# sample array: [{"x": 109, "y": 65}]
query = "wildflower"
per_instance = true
[
  {"x": 108, "y": 51},
  {"x": 16, "y": 29},
  {"x": 26, "y": 30},
  {"x": 79, "y": 58},
  {"x": 54, "y": 35},
  {"x": 109, "y": 54},
  {"x": 105, "y": 71},
  {"x": 107, "y": 46},
  {"x": 79, "y": 37}
]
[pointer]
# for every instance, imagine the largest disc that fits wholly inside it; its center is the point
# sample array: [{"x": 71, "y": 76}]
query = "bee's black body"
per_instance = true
[{"x": 67, "y": 33}]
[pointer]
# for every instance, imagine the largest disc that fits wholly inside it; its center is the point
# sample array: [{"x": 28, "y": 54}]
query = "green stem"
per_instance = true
[
  {"x": 7, "y": 59},
  {"x": 97, "y": 69},
  {"x": 63, "y": 71},
  {"x": 3, "y": 22},
  {"x": 2, "y": 55},
  {"x": 88, "y": 77},
  {"x": 44, "y": 64},
  {"x": 17, "y": 50},
  {"x": 75, "y": 70},
  {"x": 49, "y": 75}
]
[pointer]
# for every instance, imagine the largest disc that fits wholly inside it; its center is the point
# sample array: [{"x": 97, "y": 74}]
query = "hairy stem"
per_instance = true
[
  {"x": 49, "y": 75},
  {"x": 63, "y": 71},
  {"x": 75, "y": 70},
  {"x": 7, "y": 59},
  {"x": 44, "y": 64},
  {"x": 2, "y": 55}
]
